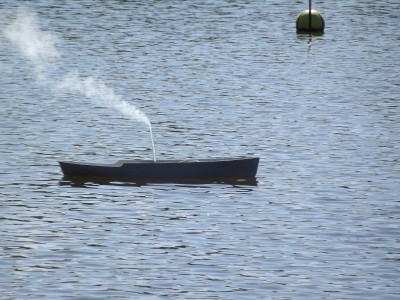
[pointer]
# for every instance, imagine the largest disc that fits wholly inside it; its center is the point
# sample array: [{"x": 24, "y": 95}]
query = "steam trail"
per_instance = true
[
  {"x": 100, "y": 93},
  {"x": 35, "y": 45},
  {"x": 39, "y": 48}
]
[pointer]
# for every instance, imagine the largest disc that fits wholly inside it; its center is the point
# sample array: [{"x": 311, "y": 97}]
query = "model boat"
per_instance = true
[{"x": 229, "y": 168}]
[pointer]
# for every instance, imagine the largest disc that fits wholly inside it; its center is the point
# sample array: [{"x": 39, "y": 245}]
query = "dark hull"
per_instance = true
[{"x": 165, "y": 170}]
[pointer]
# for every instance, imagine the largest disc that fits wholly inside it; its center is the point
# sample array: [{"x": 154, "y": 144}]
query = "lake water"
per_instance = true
[{"x": 215, "y": 78}]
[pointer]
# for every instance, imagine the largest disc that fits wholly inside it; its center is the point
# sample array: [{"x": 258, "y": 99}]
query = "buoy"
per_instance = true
[{"x": 310, "y": 20}]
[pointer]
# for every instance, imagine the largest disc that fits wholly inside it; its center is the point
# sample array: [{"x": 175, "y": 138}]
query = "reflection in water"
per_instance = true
[
  {"x": 309, "y": 37},
  {"x": 75, "y": 181}
]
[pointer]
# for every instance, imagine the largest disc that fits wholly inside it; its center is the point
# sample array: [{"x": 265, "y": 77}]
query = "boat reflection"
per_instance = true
[{"x": 91, "y": 181}]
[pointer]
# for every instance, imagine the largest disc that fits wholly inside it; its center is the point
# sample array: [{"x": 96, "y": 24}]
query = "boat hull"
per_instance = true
[{"x": 242, "y": 167}]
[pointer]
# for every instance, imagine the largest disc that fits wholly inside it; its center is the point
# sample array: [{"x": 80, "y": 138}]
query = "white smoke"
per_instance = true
[
  {"x": 39, "y": 48},
  {"x": 99, "y": 93}
]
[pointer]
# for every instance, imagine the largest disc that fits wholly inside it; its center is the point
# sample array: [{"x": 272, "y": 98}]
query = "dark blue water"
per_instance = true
[{"x": 215, "y": 78}]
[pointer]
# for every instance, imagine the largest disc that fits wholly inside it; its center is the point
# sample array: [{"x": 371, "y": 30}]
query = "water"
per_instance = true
[{"x": 216, "y": 78}]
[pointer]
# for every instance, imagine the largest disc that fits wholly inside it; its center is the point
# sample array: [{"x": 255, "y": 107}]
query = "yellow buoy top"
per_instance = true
[{"x": 307, "y": 23}]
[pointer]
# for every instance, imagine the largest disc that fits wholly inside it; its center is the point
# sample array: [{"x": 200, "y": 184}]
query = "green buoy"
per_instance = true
[{"x": 310, "y": 20}]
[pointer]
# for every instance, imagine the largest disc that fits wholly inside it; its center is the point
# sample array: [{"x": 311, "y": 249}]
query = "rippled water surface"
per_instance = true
[{"x": 215, "y": 78}]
